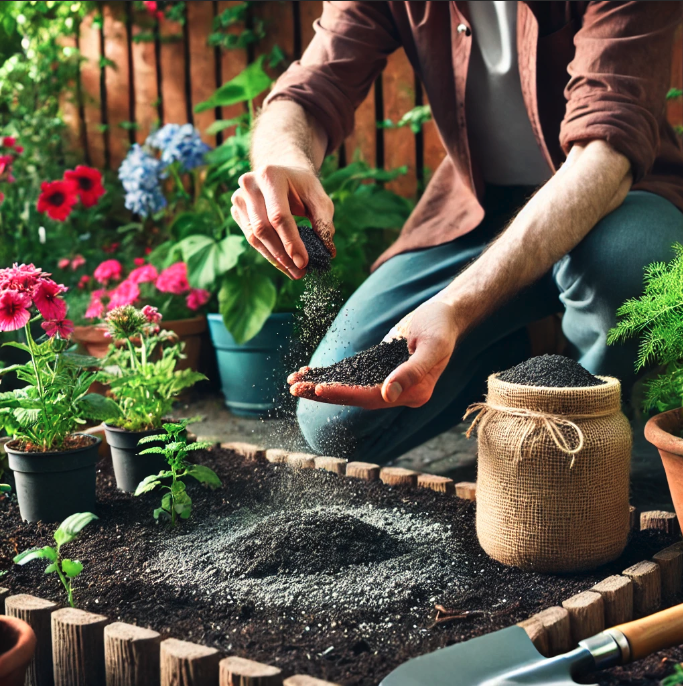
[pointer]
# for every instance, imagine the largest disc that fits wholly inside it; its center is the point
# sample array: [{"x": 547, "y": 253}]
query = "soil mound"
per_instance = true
[
  {"x": 312, "y": 542},
  {"x": 367, "y": 368},
  {"x": 555, "y": 371},
  {"x": 319, "y": 257}
]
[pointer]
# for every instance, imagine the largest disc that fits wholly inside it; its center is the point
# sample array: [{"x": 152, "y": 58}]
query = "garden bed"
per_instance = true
[{"x": 262, "y": 570}]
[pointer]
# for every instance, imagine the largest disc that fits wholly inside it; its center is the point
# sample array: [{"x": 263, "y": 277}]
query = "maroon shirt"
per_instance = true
[{"x": 588, "y": 70}]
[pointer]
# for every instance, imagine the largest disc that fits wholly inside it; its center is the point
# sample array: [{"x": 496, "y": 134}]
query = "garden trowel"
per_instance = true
[{"x": 508, "y": 657}]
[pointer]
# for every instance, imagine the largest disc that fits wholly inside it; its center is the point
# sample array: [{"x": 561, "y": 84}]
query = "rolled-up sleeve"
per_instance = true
[
  {"x": 619, "y": 78},
  {"x": 350, "y": 48}
]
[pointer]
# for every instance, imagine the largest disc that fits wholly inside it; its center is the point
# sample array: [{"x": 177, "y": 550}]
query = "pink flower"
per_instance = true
[
  {"x": 152, "y": 315},
  {"x": 197, "y": 297},
  {"x": 126, "y": 293},
  {"x": 112, "y": 248},
  {"x": 9, "y": 141},
  {"x": 78, "y": 261},
  {"x": 139, "y": 261},
  {"x": 96, "y": 307},
  {"x": 143, "y": 274},
  {"x": 83, "y": 281},
  {"x": 109, "y": 270},
  {"x": 64, "y": 263},
  {"x": 2, "y": 197},
  {"x": 46, "y": 299},
  {"x": 174, "y": 279},
  {"x": 21, "y": 277},
  {"x": 19, "y": 149},
  {"x": 63, "y": 327},
  {"x": 14, "y": 310},
  {"x": 5, "y": 162}
]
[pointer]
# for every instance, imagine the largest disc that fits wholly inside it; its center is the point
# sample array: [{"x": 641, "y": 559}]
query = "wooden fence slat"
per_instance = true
[
  {"x": 188, "y": 664},
  {"x": 232, "y": 63},
  {"x": 131, "y": 655},
  {"x": 363, "y": 140},
  {"x": 202, "y": 64},
  {"x": 146, "y": 93},
  {"x": 116, "y": 49},
  {"x": 68, "y": 105},
  {"x": 172, "y": 57},
  {"x": 398, "y": 85},
  {"x": 674, "y": 107},
  {"x": 309, "y": 11},
  {"x": 90, "y": 82}
]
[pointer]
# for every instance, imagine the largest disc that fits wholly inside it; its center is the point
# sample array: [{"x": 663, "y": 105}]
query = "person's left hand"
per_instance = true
[{"x": 431, "y": 332}]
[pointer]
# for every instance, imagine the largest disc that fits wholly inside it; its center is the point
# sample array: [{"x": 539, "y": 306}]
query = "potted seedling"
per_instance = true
[
  {"x": 657, "y": 317},
  {"x": 67, "y": 570},
  {"x": 53, "y": 464},
  {"x": 143, "y": 382},
  {"x": 175, "y": 502}
]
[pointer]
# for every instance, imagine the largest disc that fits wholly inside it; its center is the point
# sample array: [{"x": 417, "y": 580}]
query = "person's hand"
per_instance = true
[
  {"x": 264, "y": 207},
  {"x": 432, "y": 333}
]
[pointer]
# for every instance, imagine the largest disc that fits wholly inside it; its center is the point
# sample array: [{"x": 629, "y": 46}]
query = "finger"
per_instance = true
[
  {"x": 297, "y": 376},
  {"x": 261, "y": 227},
  {"x": 367, "y": 397},
  {"x": 275, "y": 195},
  {"x": 321, "y": 213},
  {"x": 427, "y": 356},
  {"x": 303, "y": 389}
]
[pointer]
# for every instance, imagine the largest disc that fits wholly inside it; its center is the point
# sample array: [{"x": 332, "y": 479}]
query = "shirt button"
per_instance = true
[{"x": 463, "y": 28}]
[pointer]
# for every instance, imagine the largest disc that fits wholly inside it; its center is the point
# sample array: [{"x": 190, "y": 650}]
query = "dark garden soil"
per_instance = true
[
  {"x": 367, "y": 368},
  {"x": 555, "y": 371},
  {"x": 318, "y": 574}
]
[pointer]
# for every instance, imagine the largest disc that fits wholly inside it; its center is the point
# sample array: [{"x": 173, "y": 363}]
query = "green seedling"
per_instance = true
[
  {"x": 175, "y": 502},
  {"x": 674, "y": 679},
  {"x": 66, "y": 569}
]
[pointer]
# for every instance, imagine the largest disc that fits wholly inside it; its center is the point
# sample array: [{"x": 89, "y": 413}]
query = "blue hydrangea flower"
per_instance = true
[
  {"x": 140, "y": 174},
  {"x": 179, "y": 144},
  {"x": 145, "y": 202},
  {"x": 161, "y": 138}
]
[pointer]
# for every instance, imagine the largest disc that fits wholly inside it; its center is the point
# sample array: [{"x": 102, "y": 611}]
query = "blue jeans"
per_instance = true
[{"x": 587, "y": 285}]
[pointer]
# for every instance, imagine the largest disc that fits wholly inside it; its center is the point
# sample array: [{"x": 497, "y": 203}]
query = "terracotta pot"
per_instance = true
[
  {"x": 663, "y": 431},
  {"x": 17, "y": 646},
  {"x": 191, "y": 331}
]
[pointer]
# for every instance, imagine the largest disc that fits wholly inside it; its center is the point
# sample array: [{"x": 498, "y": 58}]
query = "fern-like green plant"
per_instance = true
[{"x": 657, "y": 317}]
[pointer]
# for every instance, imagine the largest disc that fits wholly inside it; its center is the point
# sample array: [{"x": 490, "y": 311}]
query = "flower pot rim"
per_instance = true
[
  {"x": 20, "y": 654},
  {"x": 120, "y": 429},
  {"x": 96, "y": 440},
  {"x": 658, "y": 431}
]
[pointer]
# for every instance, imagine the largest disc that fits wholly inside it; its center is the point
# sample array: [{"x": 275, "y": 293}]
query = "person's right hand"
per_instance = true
[{"x": 264, "y": 207}]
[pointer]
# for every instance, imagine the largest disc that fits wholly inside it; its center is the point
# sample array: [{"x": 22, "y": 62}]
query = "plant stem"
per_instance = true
[
  {"x": 39, "y": 384},
  {"x": 67, "y": 586}
]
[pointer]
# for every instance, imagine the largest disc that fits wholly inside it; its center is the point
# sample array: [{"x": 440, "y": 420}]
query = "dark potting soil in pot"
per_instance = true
[
  {"x": 306, "y": 570},
  {"x": 367, "y": 368},
  {"x": 555, "y": 371},
  {"x": 73, "y": 442}
]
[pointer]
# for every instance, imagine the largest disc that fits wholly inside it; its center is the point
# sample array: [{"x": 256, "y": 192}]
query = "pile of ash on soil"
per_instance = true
[
  {"x": 319, "y": 258},
  {"x": 310, "y": 542},
  {"x": 554, "y": 371},
  {"x": 367, "y": 368}
]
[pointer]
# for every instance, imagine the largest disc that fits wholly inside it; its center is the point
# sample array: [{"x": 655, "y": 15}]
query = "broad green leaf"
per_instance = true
[
  {"x": 159, "y": 512},
  {"x": 249, "y": 83},
  {"x": 99, "y": 407},
  {"x": 149, "y": 483},
  {"x": 208, "y": 259},
  {"x": 16, "y": 344},
  {"x": 5, "y": 488},
  {"x": 72, "y": 568},
  {"x": 51, "y": 568},
  {"x": 245, "y": 302},
  {"x": 204, "y": 475},
  {"x": 378, "y": 210},
  {"x": 76, "y": 360},
  {"x": 178, "y": 489},
  {"x": 45, "y": 553},
  {"x": 222, "y": 124},
  {"x": 359, "y": 171},
  {"x": 72, "y": 526}
]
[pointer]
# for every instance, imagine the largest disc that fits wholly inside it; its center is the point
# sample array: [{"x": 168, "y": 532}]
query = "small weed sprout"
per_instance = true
[
  {"x": 176, "y": 502},
  {"x": 674, "y": 679},
  {"x": 66, "y": 569}
]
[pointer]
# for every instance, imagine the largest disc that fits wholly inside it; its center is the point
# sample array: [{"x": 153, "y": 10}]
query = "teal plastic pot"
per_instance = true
[{"x": 252, "y": 374}]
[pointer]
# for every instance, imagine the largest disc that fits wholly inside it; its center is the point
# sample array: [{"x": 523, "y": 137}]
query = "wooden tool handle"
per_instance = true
[{"x": 656, "y": 632}]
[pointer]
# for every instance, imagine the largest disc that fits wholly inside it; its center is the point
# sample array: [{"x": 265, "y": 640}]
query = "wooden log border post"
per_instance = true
[{"x": 78, "y": 648}]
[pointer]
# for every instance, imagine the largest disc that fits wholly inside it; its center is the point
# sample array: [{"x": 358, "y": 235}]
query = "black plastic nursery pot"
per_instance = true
[
  {"x": 130, "y": 468},
  {"x": 51, "y": 486}
]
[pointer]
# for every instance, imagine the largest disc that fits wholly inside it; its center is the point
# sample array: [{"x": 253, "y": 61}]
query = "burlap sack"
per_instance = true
[{"x": 553, "y": 475}]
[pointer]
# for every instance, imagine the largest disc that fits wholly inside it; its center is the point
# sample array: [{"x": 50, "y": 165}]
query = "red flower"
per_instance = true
[
  {"x": 88, "y": 183},
  {"x": 83, "y": 281},
  {"x": 139, "y": 261},
  {"x": 63, "y": 327},
  {"x": 57, "y": 199},
  {"x": 46, "y": 299},
  {"x": 21, "y": 277},
  {"x": 174, "y": 279},
  {"x": 5, "y": 163},
  {"x": 148, "y": 251},
  {"x": 109, "y": 270},
  {"x": 153, "y": 8},
  {"x": 152, "y": 315},
  {"x": 14, "y": 311},
  {"x": 126, "y": 293},
  {"x": 64, "y": 263},
  {"x": 19, "y": 149},
  {"x": 78, "y": 261},
  {"x": 9, "y": 141},
  {"x": 143, "y": 274},
  {"x": 197, "y": 297},
  {"x": 113, "y": 247},
  {"x": 2, "y": 197}
]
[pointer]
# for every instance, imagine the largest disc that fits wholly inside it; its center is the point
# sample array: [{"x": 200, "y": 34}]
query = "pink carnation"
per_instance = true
[
  {"x": 109, "y": 270},
  {"x": 14, "y": 311},
  {"x": 78, "y": 261},
  {"x": 126, "y": 293},
  {"x": 197, "y": 297},
  {"x": 46, "y": 299},
  {"x": 96, "y": 307},
  {"x": 139, "y": 261},
  {"x": 63, "y": 327},
  {"x": 143, "y": 274},
  {"x": 21, "y": 277},
  {"x": 83, "y": 281},
  {"x": 64, "y": 263},
  {"x": 152, "y": 315},
  {"x": 174, "y": 279}
]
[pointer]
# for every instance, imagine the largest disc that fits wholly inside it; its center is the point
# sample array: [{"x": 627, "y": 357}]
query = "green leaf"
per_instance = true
[
  {"x": 151, "y": 438},
  {"x": 249, "y": 83},
  {"x": 15, "y": 344},
  {"x": 99, "y": 407},
  {"x": 204, "y": 475},
  {"x": 53, "y": 567},
  {"x": 222, "y": 124},
  {"x": 80, "y": 361},
  {"x": 245, "y": 302},
  {"x": 72, "y": 526},
  {"x": 149, "y": 483},
  {"x": 381, "y": 209},
  {"x": 72, "y": 568},
  {"x": 155, "y": 450},
  {"x": 5, "y": 488},
  {"x": 207, "y": 259},
  {"x": 44, "y": 553}
]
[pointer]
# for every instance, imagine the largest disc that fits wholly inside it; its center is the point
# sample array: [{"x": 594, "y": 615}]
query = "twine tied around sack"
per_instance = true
[{"x": 553, "y": 424}]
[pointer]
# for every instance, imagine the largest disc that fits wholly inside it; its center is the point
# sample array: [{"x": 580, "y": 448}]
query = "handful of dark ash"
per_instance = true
[
  {"x": 554, "y": 371},
  {"x": 367, "y": 368},
  {"x": 319, "y": 257}
]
